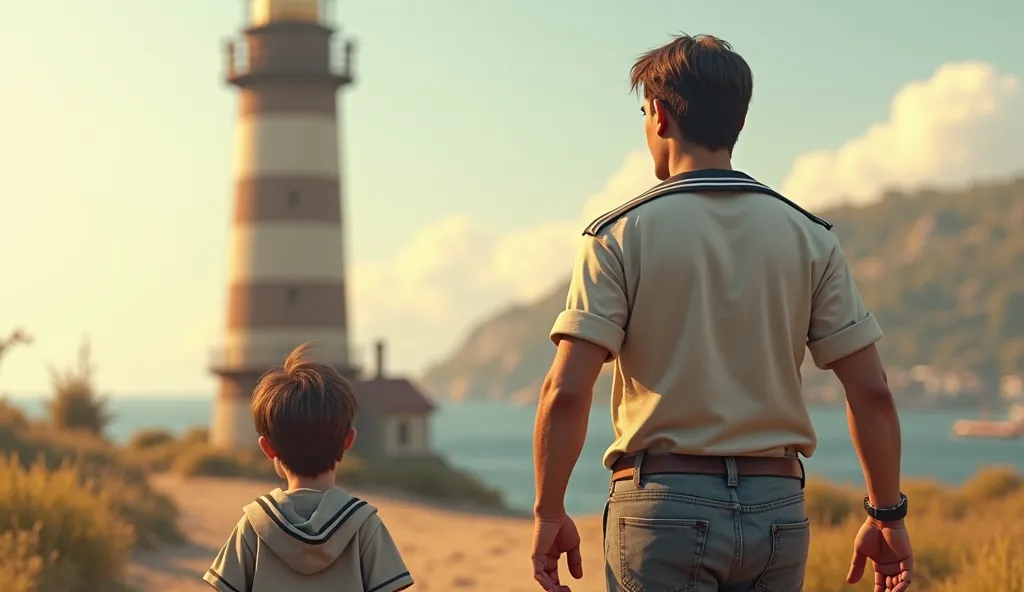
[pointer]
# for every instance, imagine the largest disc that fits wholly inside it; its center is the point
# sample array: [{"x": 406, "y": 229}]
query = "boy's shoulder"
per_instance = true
[{"x": 245, "y": 531}]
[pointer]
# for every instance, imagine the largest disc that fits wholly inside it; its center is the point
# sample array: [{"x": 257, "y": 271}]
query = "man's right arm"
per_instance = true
[
  {"x": 874, "y": 424},
  {"x": 841, "y": 337}
]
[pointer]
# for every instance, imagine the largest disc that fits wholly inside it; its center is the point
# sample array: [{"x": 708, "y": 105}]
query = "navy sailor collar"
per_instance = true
[{"x": 698, "y": 181}]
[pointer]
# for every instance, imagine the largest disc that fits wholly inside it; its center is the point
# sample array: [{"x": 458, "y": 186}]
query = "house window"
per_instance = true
[
  {"x": 403, "y": 434},
  {"x": 293, "y": 295},
  {"x": 293, "y": 198}
]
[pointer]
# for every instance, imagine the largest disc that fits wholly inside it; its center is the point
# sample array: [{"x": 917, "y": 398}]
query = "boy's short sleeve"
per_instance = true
[
  {"x": 382, "y": 565},
  {"x": 233, "y": 569}
]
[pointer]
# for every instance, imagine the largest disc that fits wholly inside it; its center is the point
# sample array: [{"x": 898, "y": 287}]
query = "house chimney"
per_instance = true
[{"x": 380, "y": 359}]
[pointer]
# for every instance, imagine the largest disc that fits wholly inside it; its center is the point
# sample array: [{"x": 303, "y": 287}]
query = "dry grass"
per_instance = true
[
  {"x": 71, "y": 509},
  {"x": 59, "y": 534},
  {"x": 68, "y": 522},
  {"x": 967, "y": 538}
]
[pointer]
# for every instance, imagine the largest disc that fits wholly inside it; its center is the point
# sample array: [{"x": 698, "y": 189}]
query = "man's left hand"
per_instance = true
[{"x": 551, "y": 538}]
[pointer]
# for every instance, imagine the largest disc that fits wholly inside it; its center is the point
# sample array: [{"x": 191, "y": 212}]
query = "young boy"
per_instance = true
[{"x": 313, "y": 536}]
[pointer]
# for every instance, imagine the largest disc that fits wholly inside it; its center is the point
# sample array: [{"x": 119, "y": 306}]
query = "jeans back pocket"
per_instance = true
[
  {"x": 788, "y": 562},
  {"x": 660, "y": 554}
]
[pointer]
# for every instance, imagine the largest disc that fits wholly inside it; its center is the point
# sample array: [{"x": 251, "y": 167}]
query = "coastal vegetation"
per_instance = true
[
  {"x": 74, "y": 505},
  {"x": 965, "y": 538},
  {"x": 71, "y": 509},
  {"x": 429, "y": 478}
]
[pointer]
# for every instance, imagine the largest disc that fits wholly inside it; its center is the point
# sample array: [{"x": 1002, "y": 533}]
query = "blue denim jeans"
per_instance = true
[{"x": 706, "y": 533}]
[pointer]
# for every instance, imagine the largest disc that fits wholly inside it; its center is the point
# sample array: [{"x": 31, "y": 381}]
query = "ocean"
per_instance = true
[{"x": 493, "y": 441}]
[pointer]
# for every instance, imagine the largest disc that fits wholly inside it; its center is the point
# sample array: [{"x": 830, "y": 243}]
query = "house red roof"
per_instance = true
[{"x": 393, "y": 395}]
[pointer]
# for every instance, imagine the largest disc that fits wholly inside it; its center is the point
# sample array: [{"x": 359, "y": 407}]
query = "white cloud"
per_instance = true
[
  {"x": 452, "y": 274},
  {"x": 963, "y": 123}
]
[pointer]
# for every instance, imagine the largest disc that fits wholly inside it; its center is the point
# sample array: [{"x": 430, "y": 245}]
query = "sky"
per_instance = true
[{"x": 478, "y": 141}]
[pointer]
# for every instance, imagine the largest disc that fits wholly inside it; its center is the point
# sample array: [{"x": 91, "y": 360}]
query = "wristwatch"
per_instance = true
[{"x": 891, "y": 514}]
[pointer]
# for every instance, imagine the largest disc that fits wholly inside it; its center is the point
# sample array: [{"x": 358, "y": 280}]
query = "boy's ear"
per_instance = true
[
  {"x": 350, "y": 439},
  {"x": 267, "y": 448}
]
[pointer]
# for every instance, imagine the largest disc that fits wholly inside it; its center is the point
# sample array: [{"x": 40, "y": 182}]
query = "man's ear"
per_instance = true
[
  {"x": 662, "y": 119},
  {"x": 350, "y": 439},
  {"x": 267, "y": 448}
]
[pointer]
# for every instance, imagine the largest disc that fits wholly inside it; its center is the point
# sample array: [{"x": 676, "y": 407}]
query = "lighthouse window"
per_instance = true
[
  {"x": 293, "y": 295},
  {"x": 293, "y": 198}
]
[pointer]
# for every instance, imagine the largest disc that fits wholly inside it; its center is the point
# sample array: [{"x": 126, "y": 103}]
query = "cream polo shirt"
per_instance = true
[{"x": 706, "y": 291}]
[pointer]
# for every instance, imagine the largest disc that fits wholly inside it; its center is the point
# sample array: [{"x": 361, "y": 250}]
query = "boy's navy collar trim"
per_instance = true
[
  {"x": 699, "y": 181},
  {"x": 320, "y": 535}
]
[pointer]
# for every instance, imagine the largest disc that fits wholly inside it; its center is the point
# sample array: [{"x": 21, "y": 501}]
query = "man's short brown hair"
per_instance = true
[
  {"x": 305, "y": 409},
  {"x": 704, "y": 84}
]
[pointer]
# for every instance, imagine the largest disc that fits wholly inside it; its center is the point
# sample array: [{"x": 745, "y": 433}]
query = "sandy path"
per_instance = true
[{"x": 445, "y": 550}]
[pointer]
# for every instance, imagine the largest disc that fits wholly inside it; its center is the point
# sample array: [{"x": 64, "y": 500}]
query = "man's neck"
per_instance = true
[{"x": 684, "y": 161}]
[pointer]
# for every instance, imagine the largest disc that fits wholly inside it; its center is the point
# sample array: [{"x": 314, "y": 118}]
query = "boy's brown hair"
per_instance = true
[
  {"x": 704, "y": 84},
  {"x": 305, "y": 409}
]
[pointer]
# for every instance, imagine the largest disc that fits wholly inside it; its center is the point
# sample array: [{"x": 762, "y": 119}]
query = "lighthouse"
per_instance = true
[{"x": 286, "y": 265}]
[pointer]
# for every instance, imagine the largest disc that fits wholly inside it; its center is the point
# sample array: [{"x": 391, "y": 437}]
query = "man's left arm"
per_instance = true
[{"x": 588, "y": 333}]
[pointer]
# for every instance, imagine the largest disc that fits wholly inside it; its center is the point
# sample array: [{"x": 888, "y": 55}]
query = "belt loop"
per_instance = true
[
  {"x": 732, "y": 475},
  {"x": 639, "y": 459},
  {"x": 803, "y": 473}
]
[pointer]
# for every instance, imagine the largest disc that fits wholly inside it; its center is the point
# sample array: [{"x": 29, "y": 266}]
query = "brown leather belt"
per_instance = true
[{"x": 746, "y": 466}]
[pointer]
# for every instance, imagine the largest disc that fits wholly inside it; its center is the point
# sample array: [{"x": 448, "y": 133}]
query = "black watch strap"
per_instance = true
[{"x": 892, "y": 514}]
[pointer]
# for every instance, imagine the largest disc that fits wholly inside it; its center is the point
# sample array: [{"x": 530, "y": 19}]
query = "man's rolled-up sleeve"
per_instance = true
[
  {"x": 840, "y": 323},
  {"x": 597, "y": 307}
]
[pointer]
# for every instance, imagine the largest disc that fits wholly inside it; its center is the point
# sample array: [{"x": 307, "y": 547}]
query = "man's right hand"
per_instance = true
[{"x": 887, "y": 545}]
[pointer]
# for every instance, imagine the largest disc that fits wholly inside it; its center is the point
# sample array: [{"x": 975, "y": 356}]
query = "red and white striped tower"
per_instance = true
[{"x": 286, "y": 269}]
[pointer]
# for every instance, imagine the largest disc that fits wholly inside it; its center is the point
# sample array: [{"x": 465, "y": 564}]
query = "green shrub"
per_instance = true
[
  {"x": 831, "y": 504},
  {"x": 934, "y": 499},
  {"x": 152, "y": 450},
  {"x": 196, "y": 435},
  {"x": 154, "y": 459},
  {"x": 64, "y": 536},
  {"x": 993, "y": 483},
  {"x": 152, "y": 515},
  {"x": 149, "y": 438},
  {"x": 75, "y": 404},
  {"x": 11, "y": 414},
  {"x": 428, "y": 477},
  {"x": 205, "y": 460}
]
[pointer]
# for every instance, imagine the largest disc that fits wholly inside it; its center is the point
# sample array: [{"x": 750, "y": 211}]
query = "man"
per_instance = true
[{"x": 705, "y": 292}]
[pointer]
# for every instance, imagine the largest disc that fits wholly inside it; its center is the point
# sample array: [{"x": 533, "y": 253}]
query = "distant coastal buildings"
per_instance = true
[
  {"x": 1011, "y": 388},
  {"x": 924, "y": 386}
]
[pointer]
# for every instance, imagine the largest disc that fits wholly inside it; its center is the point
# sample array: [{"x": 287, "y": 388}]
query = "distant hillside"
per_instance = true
[{"x": 942, "y": 270}]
